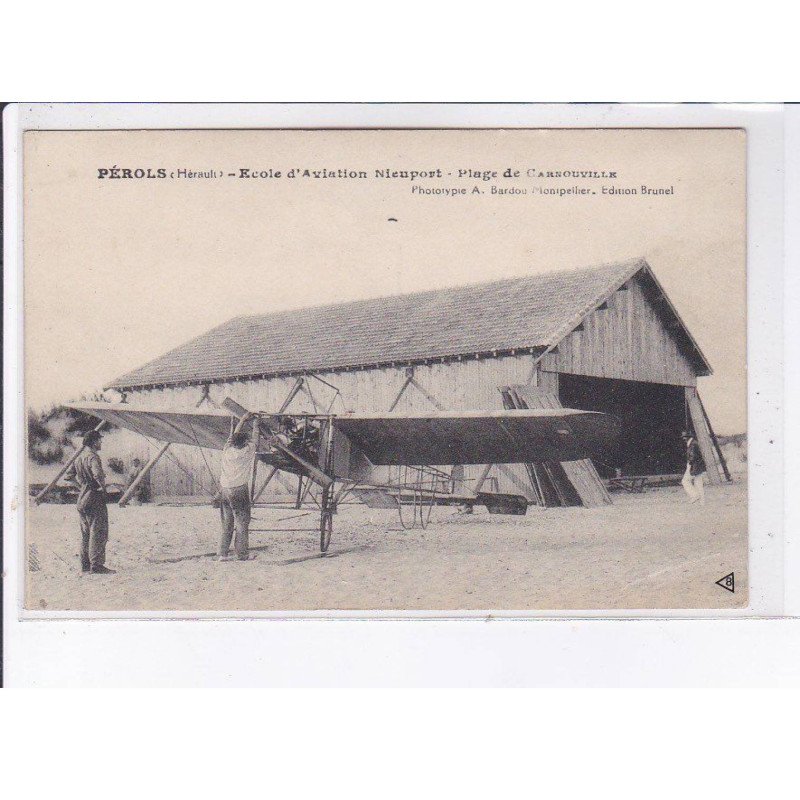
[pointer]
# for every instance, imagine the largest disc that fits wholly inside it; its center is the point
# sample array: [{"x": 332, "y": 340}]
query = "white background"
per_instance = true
[{"x": 641, "y": 744}]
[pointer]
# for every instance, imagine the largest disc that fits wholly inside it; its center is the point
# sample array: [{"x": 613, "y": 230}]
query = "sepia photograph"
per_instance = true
[
  {"x": 435, "y": 370},
  {"x": 440, "y": 348}
]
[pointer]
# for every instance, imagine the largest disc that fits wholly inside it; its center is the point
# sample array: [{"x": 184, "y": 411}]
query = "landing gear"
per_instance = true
[
  {"x": 327, "y": 499},
  {"x": 325, "y": 525}
]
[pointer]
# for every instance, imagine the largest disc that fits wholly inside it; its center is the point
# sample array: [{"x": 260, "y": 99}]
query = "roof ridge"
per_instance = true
[
  {"x": 506, "y": 314},
  {"x": 626, "y": 263}
]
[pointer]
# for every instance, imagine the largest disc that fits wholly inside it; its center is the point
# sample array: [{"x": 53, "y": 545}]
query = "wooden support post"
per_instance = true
[
  {"x": 702, "y": 435},
  {"x": 298, "y": 502},
  {"x": 307, "y": 390},
  {"x": 526, "y": 488},
  {"x": 512, "y": 400},
  {"x": 409, "y": 378},
  {"x": 427, "y": 395},
  {"x": 482, "y": 478},
  {"x": 123, "y": 501},
  {"x": 722, "y": 461},
  {"x": 39, "y": 497},
  {"x": 298, "y": 385},
  {"x": 204, "y": 396},
  {"x": 264, "y": 485}
]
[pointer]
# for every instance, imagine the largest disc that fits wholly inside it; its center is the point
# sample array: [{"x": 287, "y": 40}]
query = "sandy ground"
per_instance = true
[{"x": 647, "y": 551}]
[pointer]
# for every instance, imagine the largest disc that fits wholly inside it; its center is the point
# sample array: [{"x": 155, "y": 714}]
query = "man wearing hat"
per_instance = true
[
  {"x": 694, "y": 477},
  {"x": 87, "y": 474},
  {"x": 143, "y": 490}
]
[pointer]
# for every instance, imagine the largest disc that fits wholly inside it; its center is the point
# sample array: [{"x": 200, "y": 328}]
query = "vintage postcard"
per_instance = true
[{"x": 389, "y": 370}]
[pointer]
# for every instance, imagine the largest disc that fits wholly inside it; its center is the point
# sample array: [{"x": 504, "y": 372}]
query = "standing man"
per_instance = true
[
  {"x": 142, "y": 493},
  {"x": 694, "y": 477},
  {"x": 87, "y": 474},
  {"x": 237, "y": 462}
]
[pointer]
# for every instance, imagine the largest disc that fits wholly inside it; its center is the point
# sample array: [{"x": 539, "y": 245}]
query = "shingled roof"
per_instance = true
[{"x": 533, "y": 313}]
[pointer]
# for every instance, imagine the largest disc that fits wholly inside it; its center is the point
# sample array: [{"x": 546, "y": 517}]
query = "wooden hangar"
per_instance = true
[{"x": 605, "y": 338}]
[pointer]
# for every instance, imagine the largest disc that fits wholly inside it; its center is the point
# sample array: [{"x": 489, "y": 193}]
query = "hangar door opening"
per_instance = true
[{"x": 652, "y": 414}]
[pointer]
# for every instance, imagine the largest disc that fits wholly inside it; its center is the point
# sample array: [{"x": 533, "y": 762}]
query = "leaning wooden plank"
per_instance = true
[
  {"x": 482, "y": 477},
  {"x": 510, "y": 473},
  {"x": 403, "y": 388},
  {"x": 720, "y": 454},
  {"x": 582, "y": 474},
  {"x": 426, "y": 394},
  {"x": 703, "y": 437},
  {"x": 123, "y": 501},
  {"x": 512, "y": 400}
]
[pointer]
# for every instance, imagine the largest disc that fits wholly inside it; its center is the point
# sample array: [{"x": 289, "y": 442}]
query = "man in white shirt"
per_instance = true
[
  {"x": 694, "y": 477},
  {"x": 237, "y": 463}
]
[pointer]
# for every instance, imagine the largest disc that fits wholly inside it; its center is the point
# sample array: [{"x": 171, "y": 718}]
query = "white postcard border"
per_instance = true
[{"x": 27, "y": 632}]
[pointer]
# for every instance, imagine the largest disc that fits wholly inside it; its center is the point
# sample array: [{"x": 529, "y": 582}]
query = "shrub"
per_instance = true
[
  {"x": 44, "y": 446},
  {"x": 116, "y": 465},
  {"x": 79, "y": 422},
  {"x": 47, "y": 453},
  {"x": 38, "y": 432}
]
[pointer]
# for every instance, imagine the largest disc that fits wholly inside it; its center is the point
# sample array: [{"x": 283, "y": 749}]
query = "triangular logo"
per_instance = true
[{"x": 727, "y": 582}]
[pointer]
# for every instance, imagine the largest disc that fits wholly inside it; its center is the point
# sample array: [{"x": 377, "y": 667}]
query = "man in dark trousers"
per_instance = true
[
  {"x": 87, "y": 474},
  {"x": 694, "y": 477}
]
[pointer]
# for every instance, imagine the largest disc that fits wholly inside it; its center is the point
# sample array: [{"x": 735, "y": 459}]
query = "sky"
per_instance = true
[{"x": 118, "y": 271}]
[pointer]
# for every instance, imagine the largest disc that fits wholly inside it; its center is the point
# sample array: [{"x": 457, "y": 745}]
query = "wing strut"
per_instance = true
[{"x": 123, "y": 501}]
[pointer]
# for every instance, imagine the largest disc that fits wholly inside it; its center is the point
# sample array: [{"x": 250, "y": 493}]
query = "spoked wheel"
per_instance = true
[
  {"x": 327, "y": 503},
  {"x": 325, "y": 518},
  {"x": 325, "y": 530}
]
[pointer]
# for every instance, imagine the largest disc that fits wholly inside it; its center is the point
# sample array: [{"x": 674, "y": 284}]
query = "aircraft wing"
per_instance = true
[
  {"x": 199, "y": 428},
  {"x": 479, "y": 437},
  {"x": 469, "y": 437}
]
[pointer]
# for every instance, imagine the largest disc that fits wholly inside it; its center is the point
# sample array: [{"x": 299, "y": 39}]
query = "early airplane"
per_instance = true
[{"x": 354, "y": 449}]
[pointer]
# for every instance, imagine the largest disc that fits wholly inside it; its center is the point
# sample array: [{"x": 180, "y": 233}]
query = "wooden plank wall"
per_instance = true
[{"x": 628, "y": 339}]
